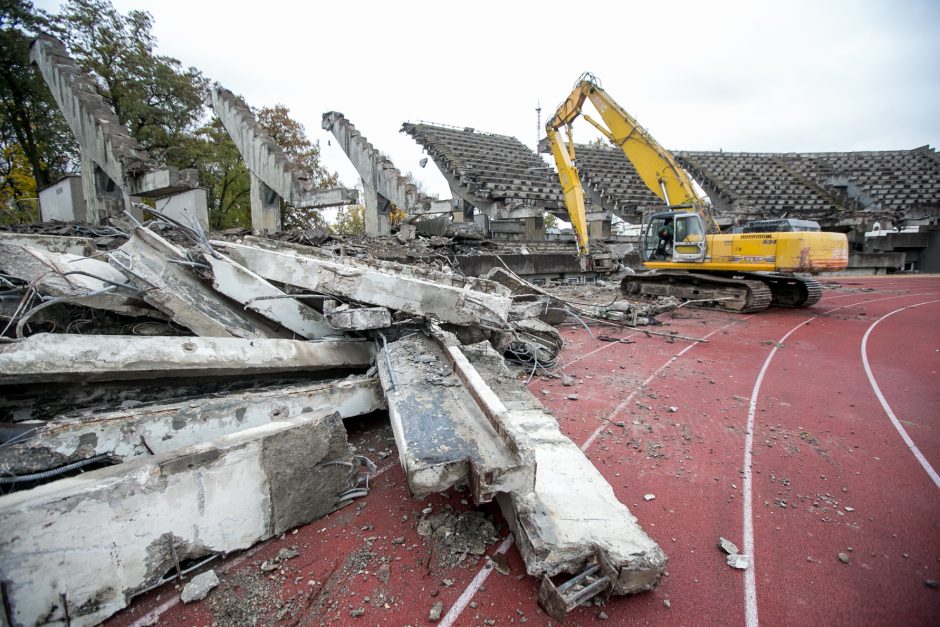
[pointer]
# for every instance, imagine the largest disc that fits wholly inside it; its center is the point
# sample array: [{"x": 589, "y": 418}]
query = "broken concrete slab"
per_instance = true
[
  {"x": 161, "y": 428},
  {"x": 444, "y": 437},
  {"x": 396, "y": 286},
  {"x": 73, "y": 278},
  {"x": 244, "y": 286},
  {"x": 91, "y": 541},
  {"x": 62, "y": 357},
  {"x": 159, "y": 269},
  {"x": 62, "y": 244}
]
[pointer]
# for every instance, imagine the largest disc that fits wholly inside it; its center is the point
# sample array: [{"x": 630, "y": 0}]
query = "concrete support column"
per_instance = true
[
  {"x": 534, "y": 229},
  {"x": 376, "y": 212},
  {"x": 103, "y": 198},
  {"x": 483, "y": 222},
  {"x": 265, "y": 207},
  {"x": 598, "y": 229}
]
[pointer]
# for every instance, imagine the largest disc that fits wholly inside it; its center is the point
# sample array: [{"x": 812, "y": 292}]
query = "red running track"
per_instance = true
[{"x": 829, "y": 473}]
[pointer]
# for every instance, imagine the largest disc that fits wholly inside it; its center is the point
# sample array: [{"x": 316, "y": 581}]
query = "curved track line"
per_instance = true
[
  {"x": 750, "y": 575},
  {"x": 884, "y": 403}
]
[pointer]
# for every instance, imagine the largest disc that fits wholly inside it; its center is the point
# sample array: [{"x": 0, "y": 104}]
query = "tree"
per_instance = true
[
  {"x": 33, "y": 132},
  {"x": 152, "y": 95},
  {"x": 351, "y": 220},
  {"x": 551, "y": 221}
]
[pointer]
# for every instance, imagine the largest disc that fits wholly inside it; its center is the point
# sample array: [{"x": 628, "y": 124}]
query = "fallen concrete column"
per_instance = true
[
  {"x": 73, "y": 278},
  {"x": 66, "y": 357},
  {"x": 157, "y": 429},
  {"x": 159, "y": 270},
  {"x": 572, "y": 519},
  {"x": 75, "y": 550},
  {"x": 244, "y": 286},
  {"x": 403, "y": 288},
  {"x": 444, "y": 437}
]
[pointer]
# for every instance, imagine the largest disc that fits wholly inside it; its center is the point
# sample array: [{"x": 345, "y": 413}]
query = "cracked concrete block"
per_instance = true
[
  {"x": 105, "y": 534},
  {"x": 60, "y": 357},
  {"x": 161, "y": 428},
  {"x": 359, "y": 319}
]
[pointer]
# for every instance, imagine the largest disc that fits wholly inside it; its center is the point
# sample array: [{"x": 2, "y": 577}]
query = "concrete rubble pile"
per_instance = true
[{"x": 172, "y": 370}]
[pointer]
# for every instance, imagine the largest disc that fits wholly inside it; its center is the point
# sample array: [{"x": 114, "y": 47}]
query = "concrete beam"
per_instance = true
[
  {"x": 347, "y": 319},
  {"x": 336, "y": 197},
  {"x": 245, "y": 287},
  {"x": 385, "y": 284},
  {"x": 93, "y": 540},
  {"x": 159, "y": 269},
  {"x": 163, "y": 181},
  {"x": 162, "y": 428},
  {"x": 58, "y": 357},
  {"x": 444, "y": 437}
]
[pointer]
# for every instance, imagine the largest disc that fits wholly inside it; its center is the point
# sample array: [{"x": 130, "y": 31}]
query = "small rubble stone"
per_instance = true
[
  {"x": 435, "y": 614},
  {"x": 649, "y": 497},
  {"x": 356, "y": 613},
  {"x": 727, "y": 546},
  {"x": 572, "y": 397},
  {"x": 286, "y": 554},
  {"x": 741, "y": 562},
  {"x": 568, "y": 381},
  {"x": 199, "y": 586},
  {"x": 931, "y": 583},
  {"x": 844, "y": 558},
  {"x": 667, "y": 604},
  {"x": 602, "y": 616},
  {"x": 267, "y": 566}
]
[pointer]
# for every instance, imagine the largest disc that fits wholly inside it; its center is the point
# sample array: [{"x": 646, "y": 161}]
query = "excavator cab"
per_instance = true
[{"x": 674, "y": 236}]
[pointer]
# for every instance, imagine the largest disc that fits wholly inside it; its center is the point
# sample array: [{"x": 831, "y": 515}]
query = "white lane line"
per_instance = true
[
  {"x": 750, "y": 575},
  {"x": 607, "y": 419},
  {"x": 461, "y": 603},
  {"x": 884, "y": 403}
]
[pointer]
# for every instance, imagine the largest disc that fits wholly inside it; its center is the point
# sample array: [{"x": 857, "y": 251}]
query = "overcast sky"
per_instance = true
[{"x": 824, "y": 75}]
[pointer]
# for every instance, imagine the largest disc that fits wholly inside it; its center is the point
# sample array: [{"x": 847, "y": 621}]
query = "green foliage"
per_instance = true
[
  {"x": 551, "y": 221},
  {"x": 351, "y": 220},
  {"x": 29, "y": 118}
]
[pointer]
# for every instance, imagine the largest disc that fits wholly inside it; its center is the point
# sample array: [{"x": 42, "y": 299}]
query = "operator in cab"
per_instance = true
[{"x": 666, "y": 235}]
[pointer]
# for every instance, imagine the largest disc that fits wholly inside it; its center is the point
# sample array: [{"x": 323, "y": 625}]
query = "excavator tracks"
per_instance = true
[
  {"x": 737, "y": 295},
  {"x": 788, "y": 290},
  {"x": 747, "y": 292}
]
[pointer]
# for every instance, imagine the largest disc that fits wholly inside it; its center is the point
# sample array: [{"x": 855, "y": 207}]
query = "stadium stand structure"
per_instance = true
[{"x": 840, "y": 190}]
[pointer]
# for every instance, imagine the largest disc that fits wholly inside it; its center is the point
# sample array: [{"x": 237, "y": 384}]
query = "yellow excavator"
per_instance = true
[{"x": 684, "y": 249}]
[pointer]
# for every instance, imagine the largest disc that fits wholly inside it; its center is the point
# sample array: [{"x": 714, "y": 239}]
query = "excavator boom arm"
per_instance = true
[{"x": 656, "y": 167}]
